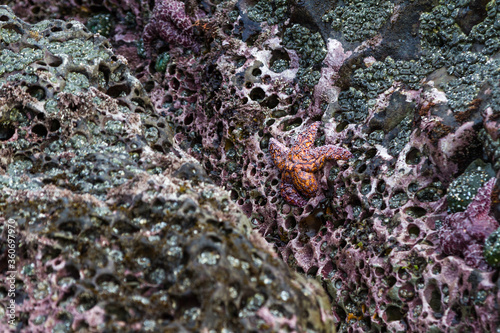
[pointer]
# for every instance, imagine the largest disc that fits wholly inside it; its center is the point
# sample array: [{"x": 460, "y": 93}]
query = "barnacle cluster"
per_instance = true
[
  {"x": 359, "y": 20},
  {"x": 101, "y": 23},
  {"x": 311, "y": 48},
  {"x": 451, "y": 48},
  {"x": 492, "y": 248},
  {"x": 270, "y": 11}
]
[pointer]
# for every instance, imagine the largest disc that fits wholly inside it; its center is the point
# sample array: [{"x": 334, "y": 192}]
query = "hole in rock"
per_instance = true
[
  {"x": 394, "y": 313},
  {"x": 256, "y": 72},
  {"x": 271, "y": 102},
  {"x": 257, "y": 94},
  {"x": 413, "y": 231},
  {"x": 36, "y": 92},
  {"x": 6, "y": 132},
  {"x": 416, "y": 212},
  {"x": 413, "y": 156},
  {"x": 117, "y": 90},
  {"x": 39, "y": 130}
]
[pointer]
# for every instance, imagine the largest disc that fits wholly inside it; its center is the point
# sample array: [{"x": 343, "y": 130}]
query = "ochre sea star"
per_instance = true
[
  {"x": 298, "y": 164},
  {"x": 171, "y": 23}
]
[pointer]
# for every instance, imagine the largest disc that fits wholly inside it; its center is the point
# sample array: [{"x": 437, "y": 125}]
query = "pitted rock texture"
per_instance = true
[
  {"x": 415, "y": 114},
  {"x": 118, "y": 228},
  {"x": 412, "y": 115}
]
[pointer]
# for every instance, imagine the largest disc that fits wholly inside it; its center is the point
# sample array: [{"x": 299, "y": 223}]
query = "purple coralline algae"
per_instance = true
[
  {"x": 464, "y": 233},
  {"x": 416, "y": 116}
]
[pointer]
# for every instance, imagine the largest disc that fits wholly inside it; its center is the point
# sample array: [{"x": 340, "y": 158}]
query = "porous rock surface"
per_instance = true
[
  {"x": 118, "y": 229},
  {"x": 411, "y": 88},
  {"x": 415, "y": 116}
]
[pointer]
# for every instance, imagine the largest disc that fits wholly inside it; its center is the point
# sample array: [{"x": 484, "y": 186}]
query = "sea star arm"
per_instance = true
[
  {"x": 305, "y": 140},
  {"x": 176, "y": 12},
  {"x": 278, "y": 153},
  {"x": 171, "y": 23},
  {"x": 305, "y": 182},
  {"x": 317, "y": 157},
  {"x": 290, "y": 194},
  {"x": 170, "y": 34},
  {"x": 474, "y": 257},
  {"x": 481, "y": 204}
]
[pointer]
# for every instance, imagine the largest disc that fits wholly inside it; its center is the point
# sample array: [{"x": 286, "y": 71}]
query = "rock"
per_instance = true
[
  {"x": 410, "y": 88},
  {"x": 116, "y": 227}
]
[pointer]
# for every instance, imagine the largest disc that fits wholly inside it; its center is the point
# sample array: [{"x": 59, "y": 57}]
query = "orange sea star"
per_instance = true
[{"x": 298, "y": 164}]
